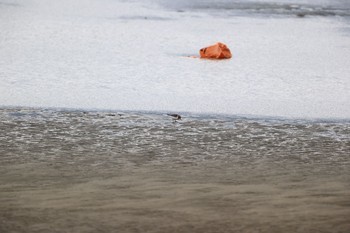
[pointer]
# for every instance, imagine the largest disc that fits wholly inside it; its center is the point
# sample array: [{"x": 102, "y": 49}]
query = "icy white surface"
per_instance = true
[{"x": 122, "y": 55}]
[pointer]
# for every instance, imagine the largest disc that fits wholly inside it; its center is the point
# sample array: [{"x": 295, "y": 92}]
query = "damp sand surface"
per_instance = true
[{"x": 76, "y": 171}]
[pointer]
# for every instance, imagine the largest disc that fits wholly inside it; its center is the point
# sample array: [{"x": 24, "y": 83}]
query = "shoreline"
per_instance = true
[
  {"x": 94, "y": 172},
  {"x": 200, "y": 115}
]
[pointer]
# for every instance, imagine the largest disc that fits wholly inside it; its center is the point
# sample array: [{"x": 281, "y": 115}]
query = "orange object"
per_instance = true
[{"x": 216, "y": 51}]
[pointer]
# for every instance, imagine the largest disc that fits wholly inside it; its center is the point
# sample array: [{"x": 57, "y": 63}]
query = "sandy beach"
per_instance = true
[
  {"x": 87, "y": 145},
  {"x": 166, "y": 198},
  {"x": 100, "y": 172}
]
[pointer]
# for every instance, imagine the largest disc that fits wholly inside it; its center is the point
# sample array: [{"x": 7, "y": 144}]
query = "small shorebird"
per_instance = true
[{"x": 175, "y": 116}]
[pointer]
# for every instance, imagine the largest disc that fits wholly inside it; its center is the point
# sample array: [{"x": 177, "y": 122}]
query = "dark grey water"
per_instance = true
[
  {"x": 265, "y": 7},
  {"x": 76, "y": 171}
]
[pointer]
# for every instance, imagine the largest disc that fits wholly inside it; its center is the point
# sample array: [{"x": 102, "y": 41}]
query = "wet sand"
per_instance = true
[{"x": 63, "y": 172}]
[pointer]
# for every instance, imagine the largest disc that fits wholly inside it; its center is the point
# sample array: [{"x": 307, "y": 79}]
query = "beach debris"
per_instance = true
[
  {"x": 216, "y": 51},
  {"x": 175, "y": 116}
]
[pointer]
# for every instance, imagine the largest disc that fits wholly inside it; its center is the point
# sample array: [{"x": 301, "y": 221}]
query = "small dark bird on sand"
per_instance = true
[{"x": 175, "y": 116}]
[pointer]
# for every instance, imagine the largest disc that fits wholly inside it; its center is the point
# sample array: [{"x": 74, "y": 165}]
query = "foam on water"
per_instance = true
[
  {"x": 121, "y": 55},
  {"x": 154, "y": 138}
]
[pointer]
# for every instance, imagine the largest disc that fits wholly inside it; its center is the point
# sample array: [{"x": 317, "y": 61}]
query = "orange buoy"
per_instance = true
[{"x": 216, "y": 51}]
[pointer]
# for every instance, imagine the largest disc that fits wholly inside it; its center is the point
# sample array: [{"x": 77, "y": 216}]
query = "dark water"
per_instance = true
[
  {"x": 76, "y": 171},
  {"x": 299, "y": 8}
]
